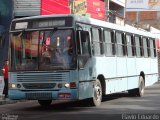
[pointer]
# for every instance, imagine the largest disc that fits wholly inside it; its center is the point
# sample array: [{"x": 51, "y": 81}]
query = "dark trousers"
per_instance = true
[{"x": 5, "y": 90}]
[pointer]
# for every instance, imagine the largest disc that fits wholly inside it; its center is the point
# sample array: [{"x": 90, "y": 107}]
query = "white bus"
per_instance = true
[{"x": 70, "y": 57}]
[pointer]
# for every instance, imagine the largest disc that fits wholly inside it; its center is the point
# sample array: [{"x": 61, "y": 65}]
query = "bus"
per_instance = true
[{"x": 71, "y": 57}]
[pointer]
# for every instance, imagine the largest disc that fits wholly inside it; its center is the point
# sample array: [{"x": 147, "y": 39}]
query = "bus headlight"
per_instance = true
[
  {"x": 12, "y": 85},
  {"x": 67, "y": 85},
  {"x": 70, "y": 85}
]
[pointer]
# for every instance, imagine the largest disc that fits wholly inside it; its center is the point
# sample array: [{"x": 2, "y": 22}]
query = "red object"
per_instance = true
[
  {"x": 96, "y": 8},
  {"x": 55, "y": 7},
  {"x": 5, "y": 72},
  {"x": 157, "y": 43}
]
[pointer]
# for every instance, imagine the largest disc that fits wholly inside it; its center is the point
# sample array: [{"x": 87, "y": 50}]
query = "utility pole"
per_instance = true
[
  {"x": 137, "y": 18},
  {"x": 108, "y": 10}
]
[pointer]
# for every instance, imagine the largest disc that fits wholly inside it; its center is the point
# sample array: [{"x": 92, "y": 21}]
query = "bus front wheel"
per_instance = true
[
  {"x": 45, "y": 102},
  {"x": 97, "y": 94}
]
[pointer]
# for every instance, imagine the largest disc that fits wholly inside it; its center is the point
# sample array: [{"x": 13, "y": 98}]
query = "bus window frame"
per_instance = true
[
  {"x": 99, "y": 41},
  {"x": 111, "y": 42},
  {"x": 131, "y": 45},
  {"x": 122, "y": 44},
  {"x": 141, "y": 46},
  {"x": 148, "y": 47},
  {"x": 153, "y": 48},
  {"x": 144, "y": 40},
  {"x": 82, "y": 56},
  {"x": 138, "y": 51}
]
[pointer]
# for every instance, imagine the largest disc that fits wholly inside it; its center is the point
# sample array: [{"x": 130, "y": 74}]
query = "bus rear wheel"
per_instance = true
[
  {"x": 45, "y": 102},
  {"x": 97, "y": 96},
  {"x": 140, "y": 90}
]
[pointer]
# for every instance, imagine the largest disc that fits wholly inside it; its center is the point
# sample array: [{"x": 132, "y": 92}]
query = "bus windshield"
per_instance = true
[{"x": 43, "y": 50}]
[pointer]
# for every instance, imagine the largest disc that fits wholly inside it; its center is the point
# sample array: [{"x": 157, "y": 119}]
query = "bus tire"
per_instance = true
[
  {"x": 139, "y": 92},
  {"x": 97, "y": 94},
  {"x": 45, "y": 102}
]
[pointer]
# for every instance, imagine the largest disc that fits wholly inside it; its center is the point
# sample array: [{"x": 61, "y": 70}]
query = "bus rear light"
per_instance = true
[
  {"x": 73, "y": 85},
  {"x": 64, "y": 95}
]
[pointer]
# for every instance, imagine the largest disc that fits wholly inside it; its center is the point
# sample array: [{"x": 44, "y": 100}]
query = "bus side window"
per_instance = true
[
  {"x": 78, "y": 36},
  {"x": 152, "y": 48},
  {"x": 129, "y": 45},
  {"x": 148, "y": 47},
  {"x": 141, "y": 46},
  {"x": 138, "y": 53},
  {"x": 133, "y": 44},
  {"x": 83, "y": 42},
  {"x": 101, "y": 41},
  {"x": 113, "y": 39},
  {"x": 108, "y": 44},
  {"x": 124, "y": 44},
  {"x": 97, "y": 43},
  {"x": 120, "y": 44},
  {"x": 145, "y": 47}
]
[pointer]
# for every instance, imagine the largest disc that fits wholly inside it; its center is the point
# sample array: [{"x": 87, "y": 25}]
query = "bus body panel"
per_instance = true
[{"x": 106, "y": 66}]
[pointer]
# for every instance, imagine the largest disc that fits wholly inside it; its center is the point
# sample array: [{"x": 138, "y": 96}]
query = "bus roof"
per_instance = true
[{"x": 92, "y": 21}]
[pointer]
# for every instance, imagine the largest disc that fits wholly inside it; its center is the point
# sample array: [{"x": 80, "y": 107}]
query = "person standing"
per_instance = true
[{"x": 5, "y": 75}]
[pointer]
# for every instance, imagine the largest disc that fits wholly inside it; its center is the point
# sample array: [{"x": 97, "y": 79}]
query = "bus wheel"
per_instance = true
[
  {"x": 97, "y": 96},
  {"x": 44, "y": 102},
  {"x": 140, "y": 90}
]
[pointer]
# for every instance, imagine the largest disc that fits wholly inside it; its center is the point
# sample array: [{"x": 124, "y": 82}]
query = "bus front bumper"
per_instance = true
[{"x": 15, "y": 94}]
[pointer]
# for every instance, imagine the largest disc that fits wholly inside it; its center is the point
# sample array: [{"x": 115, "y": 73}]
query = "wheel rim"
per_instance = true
[
  {"x": 142, "y": 87},
  {"x": 97, "y": 93}
]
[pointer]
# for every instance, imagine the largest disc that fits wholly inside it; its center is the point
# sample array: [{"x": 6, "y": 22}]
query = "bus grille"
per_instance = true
[
  {"x": 39, "y": 85},
  {"x": 40, "y": 76},
  {"x": 39, "y": 96}
]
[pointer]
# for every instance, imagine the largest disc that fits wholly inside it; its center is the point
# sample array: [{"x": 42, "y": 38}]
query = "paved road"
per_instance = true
[{"x": 114, "y": 107}]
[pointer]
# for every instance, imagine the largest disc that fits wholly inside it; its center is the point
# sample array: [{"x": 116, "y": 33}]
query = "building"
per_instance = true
[
  {"x": 143, "y": 13},
  {"x": 144, "y": 19},
  {"x": 107, "y": 10}
]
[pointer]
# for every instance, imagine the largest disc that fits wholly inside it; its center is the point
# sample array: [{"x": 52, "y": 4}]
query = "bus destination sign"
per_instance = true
[
  {"x": 21, "y": 25},
  {"x": 49, "y": 23},
  {"x": 40, "y": 23}
]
